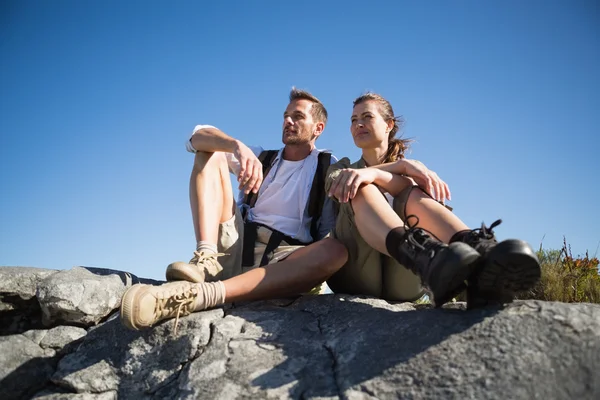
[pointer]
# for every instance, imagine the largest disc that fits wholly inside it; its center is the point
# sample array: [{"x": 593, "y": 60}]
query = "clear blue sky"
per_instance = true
[{"x": 98, "y": 97}]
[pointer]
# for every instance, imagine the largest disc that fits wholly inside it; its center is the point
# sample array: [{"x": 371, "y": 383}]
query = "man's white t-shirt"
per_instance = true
[{"x": 278, "y": 205}]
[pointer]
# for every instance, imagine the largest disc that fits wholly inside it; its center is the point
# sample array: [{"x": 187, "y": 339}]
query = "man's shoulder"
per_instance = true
[{"x": 322, "y": 153}]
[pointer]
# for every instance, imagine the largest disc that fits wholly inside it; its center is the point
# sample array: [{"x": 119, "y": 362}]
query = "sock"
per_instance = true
[
  {"x": 206, "y": 247},
  {"x": 459, "y": 236},
  {"x": 212, "y": 294},
  {"x": 393, "y": 240}
]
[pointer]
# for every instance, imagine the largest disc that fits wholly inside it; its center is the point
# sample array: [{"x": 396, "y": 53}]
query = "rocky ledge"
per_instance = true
[{"x": 61, "y": 338}]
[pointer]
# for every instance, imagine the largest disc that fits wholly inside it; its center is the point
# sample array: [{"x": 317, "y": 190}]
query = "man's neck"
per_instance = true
[{"x": 297, "y": 152}]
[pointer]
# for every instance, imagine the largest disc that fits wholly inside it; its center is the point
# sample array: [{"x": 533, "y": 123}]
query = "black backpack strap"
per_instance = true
[
  {"x": 266, "y": 158},
  {"x": 250, "y": 235},
  {"x": 316, "y": 197}
]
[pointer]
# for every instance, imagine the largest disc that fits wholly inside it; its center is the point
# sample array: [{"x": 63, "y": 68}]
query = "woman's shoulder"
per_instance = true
[{"x": 346, "y": 163}]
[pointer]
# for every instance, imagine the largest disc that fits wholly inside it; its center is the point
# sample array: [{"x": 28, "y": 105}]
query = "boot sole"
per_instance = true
[
  {"x": 128, "y": 307},
  {"x": 511, "y": 266},
  {"x": 183, "y": 274},
  {"x": 456, "y": 272}
]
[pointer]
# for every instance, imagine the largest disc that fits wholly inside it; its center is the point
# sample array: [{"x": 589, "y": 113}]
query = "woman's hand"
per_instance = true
[
  {"x": 427, "y": 180},
  {"x": 347, "y": 183}
]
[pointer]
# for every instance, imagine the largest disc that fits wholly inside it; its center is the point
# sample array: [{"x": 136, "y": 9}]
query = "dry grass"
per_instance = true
[{"x": 566, "y": 278}]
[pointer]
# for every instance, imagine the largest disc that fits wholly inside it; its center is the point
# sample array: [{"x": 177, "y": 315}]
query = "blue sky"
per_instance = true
[{"x": 503, "y": 98}]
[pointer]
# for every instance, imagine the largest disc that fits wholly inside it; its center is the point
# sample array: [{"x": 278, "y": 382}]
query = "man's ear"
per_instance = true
[{"x": 319, "y": 127}]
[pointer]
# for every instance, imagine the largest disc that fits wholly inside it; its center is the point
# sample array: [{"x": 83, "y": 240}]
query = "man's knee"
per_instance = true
[
  {"x": 334, "y": 254},
  {"x": 204, "y": 160}
]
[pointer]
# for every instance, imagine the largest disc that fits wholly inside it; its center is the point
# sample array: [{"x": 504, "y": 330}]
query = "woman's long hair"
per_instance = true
[{"x": 396, "y": 147}]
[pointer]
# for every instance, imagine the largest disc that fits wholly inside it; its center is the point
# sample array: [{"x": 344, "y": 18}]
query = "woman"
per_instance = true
[{"x": 399, "y": 235}]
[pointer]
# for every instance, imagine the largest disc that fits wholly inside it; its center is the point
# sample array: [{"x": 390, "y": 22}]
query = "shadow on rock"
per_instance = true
[
  {"x": 352, "y": 341},
  {"x": 314, "y": 347}
]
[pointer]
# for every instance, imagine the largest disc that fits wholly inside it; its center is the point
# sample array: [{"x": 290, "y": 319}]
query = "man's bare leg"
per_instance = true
[
  {"x": 211, "y": 195},
  {"x": 211, "y": 201},
  {"x": 144, "y": 305},
  {"x": 298, "y": 273}
]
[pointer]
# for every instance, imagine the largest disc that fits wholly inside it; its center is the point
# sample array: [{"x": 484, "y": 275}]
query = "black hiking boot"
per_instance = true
[
  {"x": 505, "y": 268},
  {"x": 443, "y": 269}
]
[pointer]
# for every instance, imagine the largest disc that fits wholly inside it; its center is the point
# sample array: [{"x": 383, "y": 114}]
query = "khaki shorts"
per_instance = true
[
  {"x": 369, "y": 272},
  {"x": 231, "y": 242}
]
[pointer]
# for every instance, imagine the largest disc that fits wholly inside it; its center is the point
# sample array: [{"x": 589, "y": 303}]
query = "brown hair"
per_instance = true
[
  {"x": 318, "y": 111},
  {"x": 396, "y": 147}
]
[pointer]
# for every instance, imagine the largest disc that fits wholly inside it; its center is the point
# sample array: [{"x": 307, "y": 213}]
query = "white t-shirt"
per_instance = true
[{"x": 278, "y": 205}]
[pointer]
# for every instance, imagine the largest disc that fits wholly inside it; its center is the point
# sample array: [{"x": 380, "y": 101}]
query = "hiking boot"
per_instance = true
[
  {"x": 443, "y": 269},
  {"x": 506, "y": 268},
  {"x": 142, "y": 306},
  {"x": 203, "y": 267}
]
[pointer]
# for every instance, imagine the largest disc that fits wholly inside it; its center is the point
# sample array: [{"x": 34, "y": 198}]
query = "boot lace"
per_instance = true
[
  {"x": 179, "y": 302},
  {"x": 201, "y": 257},
  {"x": 416, "y": 237},
  {"x": 486, "y": 233}
]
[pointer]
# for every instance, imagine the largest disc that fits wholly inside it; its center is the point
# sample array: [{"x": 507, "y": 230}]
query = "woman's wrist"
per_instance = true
[{"x": 400, "y": 166}]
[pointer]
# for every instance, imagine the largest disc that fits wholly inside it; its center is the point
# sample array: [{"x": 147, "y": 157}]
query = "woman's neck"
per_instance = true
[{"x": 374, "y": 156}]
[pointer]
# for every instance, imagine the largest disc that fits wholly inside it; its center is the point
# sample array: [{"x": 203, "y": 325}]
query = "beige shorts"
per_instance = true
[
  {"x": 369, "y": 272},
  {"x": 231, "y": 243}
]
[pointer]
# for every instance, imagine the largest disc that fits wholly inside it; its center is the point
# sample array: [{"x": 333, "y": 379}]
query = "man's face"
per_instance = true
[{"x": 298, "y": 124}]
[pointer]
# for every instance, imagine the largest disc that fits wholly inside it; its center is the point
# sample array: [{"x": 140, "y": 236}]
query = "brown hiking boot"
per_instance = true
[
  {"x": 204, "y": 267},
  {"x": 145, "y": 305}
]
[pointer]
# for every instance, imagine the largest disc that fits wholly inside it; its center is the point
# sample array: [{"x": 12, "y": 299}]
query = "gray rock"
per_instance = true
[
  {"x": 25, "y": 367},
  {"x": 78, "y": 296},
  {"x": 135, "y": 364},
  {"x": 127, "y": 278},
  {"x": 317, "y": 347},
  {"x": 60, "y": 336},
  {"x": 22, "y": 281},
  {"x": 57, "y": 395},
  {"x": 19, "y": 309},
  {"x": 55, "y": 338},
  {"x": 329, "y": 347},
  {"x": 36, "y": 335}
]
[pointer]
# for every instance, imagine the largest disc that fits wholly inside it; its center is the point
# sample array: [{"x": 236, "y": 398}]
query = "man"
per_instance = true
[{"x": 214, "y": 275}]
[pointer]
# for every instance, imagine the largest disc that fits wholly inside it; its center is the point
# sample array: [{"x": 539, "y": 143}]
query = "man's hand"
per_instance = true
[
  {"x": 427, "y": 180},
  {"x": 347, "y": 183},
  {"x": 251, "y": 176}
]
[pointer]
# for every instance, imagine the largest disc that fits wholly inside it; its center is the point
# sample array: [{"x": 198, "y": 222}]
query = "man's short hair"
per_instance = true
[{"x": 318, "y": 111}]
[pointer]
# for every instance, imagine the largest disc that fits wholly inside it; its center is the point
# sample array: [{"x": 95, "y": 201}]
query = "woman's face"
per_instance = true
[{"x": 369, "y": 129}]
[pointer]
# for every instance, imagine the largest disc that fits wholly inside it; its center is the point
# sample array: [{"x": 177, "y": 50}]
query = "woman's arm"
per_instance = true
[
  {"x": 427, "y": 180},
  {"x": 343, "y": 183}
]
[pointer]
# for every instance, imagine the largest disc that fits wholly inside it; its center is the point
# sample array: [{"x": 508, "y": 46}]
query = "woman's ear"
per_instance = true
[{"x": 390, "y": 125}]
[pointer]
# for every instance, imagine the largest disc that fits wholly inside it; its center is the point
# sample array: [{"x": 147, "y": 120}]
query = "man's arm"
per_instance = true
[{"x": 210, "y": 139}]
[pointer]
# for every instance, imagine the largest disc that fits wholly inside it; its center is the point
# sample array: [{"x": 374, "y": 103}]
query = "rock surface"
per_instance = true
[{"x": 317, "y": 347}]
